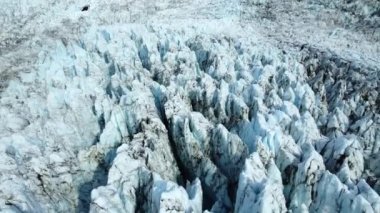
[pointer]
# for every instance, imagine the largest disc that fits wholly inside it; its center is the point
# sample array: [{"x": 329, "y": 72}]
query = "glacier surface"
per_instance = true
[{"x": 183, "y": 106}]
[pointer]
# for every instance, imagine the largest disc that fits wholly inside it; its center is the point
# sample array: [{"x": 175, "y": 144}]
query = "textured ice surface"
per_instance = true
[{"x": 185, "y": 112}]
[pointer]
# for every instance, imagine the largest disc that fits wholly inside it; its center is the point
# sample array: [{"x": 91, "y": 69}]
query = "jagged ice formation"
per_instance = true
[{"x": 162, "y": 118}]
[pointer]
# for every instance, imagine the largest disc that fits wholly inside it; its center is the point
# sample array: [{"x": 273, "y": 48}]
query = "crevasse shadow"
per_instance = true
[{"x": 99, "y": 178}]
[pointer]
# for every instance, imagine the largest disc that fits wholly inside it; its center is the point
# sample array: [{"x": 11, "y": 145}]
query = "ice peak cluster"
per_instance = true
[{"x": 153, "y": 119}]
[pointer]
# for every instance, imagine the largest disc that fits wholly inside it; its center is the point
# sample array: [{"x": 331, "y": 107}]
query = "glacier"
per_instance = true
[{"x": 133, "y": 107}]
